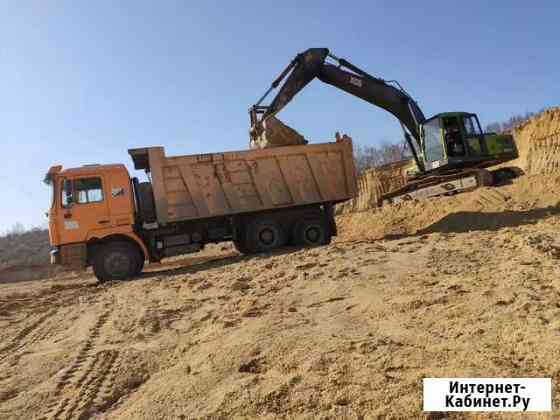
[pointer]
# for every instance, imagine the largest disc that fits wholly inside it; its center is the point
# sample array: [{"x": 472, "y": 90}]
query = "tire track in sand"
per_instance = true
[
  {"x": 41, "y": 325},
  {"x": 92, "y": 372},
  {"x": 26, "y": 336}
]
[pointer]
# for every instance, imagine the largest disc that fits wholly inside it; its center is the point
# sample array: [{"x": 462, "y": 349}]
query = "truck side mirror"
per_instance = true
[{"x": 68, "y": 198}]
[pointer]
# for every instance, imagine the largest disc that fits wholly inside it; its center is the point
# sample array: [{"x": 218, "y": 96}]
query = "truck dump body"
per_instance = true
[{"x": 221, "y": 184}]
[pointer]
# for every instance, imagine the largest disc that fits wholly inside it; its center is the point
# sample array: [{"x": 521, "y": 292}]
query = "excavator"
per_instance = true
[{"x": 450, "y": 151}]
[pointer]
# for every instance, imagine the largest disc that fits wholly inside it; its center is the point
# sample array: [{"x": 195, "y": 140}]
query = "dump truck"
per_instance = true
[{"x": 261, "y": 200}]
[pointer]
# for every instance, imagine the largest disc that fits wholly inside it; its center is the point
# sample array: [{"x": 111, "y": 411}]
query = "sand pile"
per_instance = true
[
  {"x": 373, "y": 184},
  {"x": 526, "y": 200}
]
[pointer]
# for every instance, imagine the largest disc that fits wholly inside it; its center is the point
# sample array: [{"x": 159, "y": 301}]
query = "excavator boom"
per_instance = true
[
  {"x": 376, "y": 92},
  {"x": 313, "y": 64}
]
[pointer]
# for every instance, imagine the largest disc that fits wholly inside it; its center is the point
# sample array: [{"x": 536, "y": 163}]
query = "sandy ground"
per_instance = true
[
  {"x": 464, "y": 286},
  {"x": 344, "y": 330}
]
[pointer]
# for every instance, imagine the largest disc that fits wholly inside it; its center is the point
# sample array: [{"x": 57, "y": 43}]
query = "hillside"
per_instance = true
[
  {"x": 25, "y": 256},
  {"x": 461, "y": 286},
  {"x": 30, "y": 247}
]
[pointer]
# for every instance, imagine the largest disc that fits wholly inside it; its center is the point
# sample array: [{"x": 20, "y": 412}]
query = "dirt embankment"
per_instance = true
[{"x": 538, "y": 141}]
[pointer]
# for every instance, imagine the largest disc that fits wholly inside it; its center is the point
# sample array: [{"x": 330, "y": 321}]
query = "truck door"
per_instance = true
[{"x": 83, "y": 208}]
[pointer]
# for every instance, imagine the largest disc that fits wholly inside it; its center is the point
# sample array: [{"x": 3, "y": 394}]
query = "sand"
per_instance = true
[{"x": 274, "y": 133}]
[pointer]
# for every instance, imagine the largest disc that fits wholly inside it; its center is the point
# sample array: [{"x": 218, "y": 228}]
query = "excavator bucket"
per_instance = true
[
  {"x": 275, "y": 133},
  {"x": 266, "y": 130}
]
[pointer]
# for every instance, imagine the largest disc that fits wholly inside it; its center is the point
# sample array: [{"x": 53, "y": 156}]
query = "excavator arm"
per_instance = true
[{"x": 312, "y": 64}]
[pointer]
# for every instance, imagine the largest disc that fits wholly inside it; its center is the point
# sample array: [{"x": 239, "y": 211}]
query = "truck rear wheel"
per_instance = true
[
  {"x": 264, "y": 235},
  {"x": 117, "y": 261},
  {"x": 312, "y": 231}
]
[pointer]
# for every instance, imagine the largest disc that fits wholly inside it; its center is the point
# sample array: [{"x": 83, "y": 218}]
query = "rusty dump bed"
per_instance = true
[{"x": 221, "y": 184}]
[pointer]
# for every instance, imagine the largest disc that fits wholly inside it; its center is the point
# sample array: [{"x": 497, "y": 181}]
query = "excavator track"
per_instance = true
[{"x": 450, "y": 183}]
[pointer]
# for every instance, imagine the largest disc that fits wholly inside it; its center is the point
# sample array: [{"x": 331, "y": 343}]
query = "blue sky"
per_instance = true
[{"x": 81, "y": 82}]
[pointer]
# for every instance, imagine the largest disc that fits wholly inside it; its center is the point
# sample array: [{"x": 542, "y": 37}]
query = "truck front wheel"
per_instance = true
[{"x": 116, "y": 261}]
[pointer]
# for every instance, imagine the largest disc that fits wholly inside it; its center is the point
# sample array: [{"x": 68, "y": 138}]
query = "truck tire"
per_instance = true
[
  {"x": 312, "y": 231},
  {"x": 117, "y": 261},
  {"x": 264, "y": 235}
]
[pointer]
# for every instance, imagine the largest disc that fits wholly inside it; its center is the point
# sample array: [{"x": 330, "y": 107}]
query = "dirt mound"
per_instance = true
[
  {"x": 527, "y": 199},
  {"x": 373, "y": 183}
]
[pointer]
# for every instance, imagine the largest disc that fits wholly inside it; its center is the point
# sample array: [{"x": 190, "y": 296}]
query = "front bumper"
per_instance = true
[{"x": 55, "y": 256}]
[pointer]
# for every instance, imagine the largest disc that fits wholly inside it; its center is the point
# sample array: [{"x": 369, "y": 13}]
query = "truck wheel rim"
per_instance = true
[
  {"x": 267, "y": 236},
  {"x": 117, "y": 264},
  {"x": 313, "y": 234}
]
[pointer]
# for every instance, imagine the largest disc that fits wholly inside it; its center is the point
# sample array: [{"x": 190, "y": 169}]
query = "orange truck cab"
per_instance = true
[{"x": 92, "y": 205}]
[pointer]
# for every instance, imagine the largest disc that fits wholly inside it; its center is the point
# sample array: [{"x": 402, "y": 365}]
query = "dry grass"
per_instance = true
[{"x": 24, "y": 256}]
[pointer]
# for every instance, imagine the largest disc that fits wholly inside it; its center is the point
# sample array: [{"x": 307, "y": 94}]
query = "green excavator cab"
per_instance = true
[{"x": 455, "y": 140}]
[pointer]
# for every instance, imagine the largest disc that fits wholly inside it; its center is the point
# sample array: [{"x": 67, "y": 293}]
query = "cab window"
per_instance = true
[
  {"x": 88, "y": 190},
  {"x": 471, "y": 126},
  {"x": 81, "y": 191},
  {"x": 66, "y": 190},
  {"x": 433, "y": 144}
]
